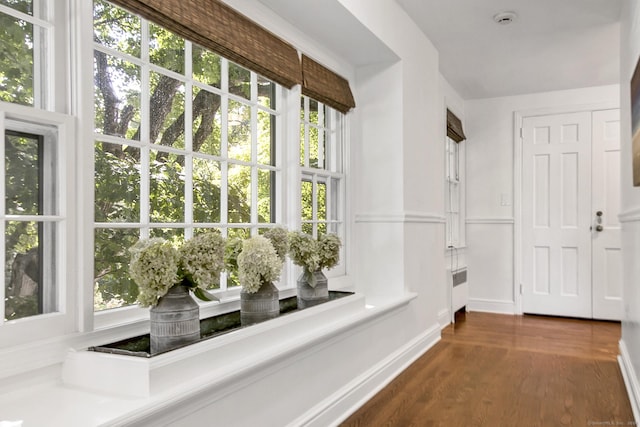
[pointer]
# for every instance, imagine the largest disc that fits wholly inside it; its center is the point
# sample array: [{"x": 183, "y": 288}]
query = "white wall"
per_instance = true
[
  {"x": 630, "y": 211},
  {"x": 490, "y": 187}
]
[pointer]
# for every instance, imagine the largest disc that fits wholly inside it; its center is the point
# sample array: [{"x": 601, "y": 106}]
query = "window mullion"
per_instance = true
[
  {"x": 145, "y": 114},
  {"x": 3, "y": 213},
  {"x": 188, "y": 142},
  {"x": 306, "y": 132},
  {"x": 254, "y": 149}
]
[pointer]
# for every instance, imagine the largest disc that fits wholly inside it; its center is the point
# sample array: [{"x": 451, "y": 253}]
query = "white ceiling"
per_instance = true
[{"x": 552, "y": 45}]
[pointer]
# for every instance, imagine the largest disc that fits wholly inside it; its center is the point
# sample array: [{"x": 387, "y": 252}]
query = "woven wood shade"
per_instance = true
[
  {"x": 325, "y": 86},
  {"x": 215, "y": 26},
  {"x": 454, "y": 127}
]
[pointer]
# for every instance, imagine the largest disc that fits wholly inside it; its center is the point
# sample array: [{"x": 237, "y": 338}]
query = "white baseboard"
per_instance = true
[
  {"x": 336, "y": 408},
  {"x": 444, "y": 318},
  {"x": 491, "y": 306},
  {"x": 630, "y": 380}
]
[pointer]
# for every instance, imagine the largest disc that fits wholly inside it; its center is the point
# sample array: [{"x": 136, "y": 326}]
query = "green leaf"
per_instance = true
[{"x": 204, "y": 295}]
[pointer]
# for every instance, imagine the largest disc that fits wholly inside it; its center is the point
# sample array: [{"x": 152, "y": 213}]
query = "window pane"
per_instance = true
[
  {"x": 266, "y": 93},
  {"x": 239, "y": 131},
  {"x": 117, "y": 96},
  {"x": 239, "y": 194},
  {"x": 313, "y": 147},
  {"x": 166, "y": 49},
  {"x": 173, "y": 235},
  {"x": 17, "y": 60},
  {"x": 23, "y": 168},
  {"x": 166, "y": 192},
  {"x": 239, "y": 81},
  {"x": 117, "y": 183},
  {"x": 206, "y": 190},
  {"x": 206, "y": 66},
  {"x": 265, "y": 200},
  {"x": 307, "y": 228},
  {"x": 313, "y": 111},
  {"x": 207, "y": 122},
  {"x": 307, "y": 200},
  {"x": 322, "y": 201},
  {"x": 243, "y": 233},
  {"x": 30, "y": 287},
  {"x": 24, "y": 6},
  {"x": 266, "y": 140},
  {"x": 116, "y": 28},
  {"x": 167, "y": 111},
  {"x": 113, "y": 286}
]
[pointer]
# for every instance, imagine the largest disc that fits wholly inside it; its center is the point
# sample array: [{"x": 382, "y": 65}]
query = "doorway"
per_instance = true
[{"x": 570, "y": 258}]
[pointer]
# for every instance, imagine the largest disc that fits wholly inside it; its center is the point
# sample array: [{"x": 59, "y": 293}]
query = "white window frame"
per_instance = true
[
  {"x": 106, "y": 318},
  {"x": 70, "y": 112},
  {"x": 454, "y": 194},
  {"x": 332, "y": 175},
  {"x": 46, "y": 117},
  {"x": 59, "y": 132}
]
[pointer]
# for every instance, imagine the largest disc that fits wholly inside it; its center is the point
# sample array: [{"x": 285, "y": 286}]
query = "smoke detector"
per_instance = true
[{"x": 504, "y": 18}]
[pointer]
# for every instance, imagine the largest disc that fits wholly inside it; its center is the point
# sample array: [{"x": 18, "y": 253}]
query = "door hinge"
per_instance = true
[
  {"x": 521, "y": 133},
  {"x": 520, "y": 288}
]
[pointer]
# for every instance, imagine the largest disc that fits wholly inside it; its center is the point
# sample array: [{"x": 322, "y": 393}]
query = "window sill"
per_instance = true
[{"x": 95, "y": 379}]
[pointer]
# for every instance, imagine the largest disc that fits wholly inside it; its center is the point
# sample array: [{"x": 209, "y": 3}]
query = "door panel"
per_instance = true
[
  {"x": 556, "y": 215},
  {"x": 607, "y": 264}
]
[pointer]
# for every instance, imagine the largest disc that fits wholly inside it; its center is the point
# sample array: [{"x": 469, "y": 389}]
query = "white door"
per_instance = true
[
  {"x": 606, "y": 255},
  {"x": 570, "y": 174},
  {"x": 556, "y": 215}
]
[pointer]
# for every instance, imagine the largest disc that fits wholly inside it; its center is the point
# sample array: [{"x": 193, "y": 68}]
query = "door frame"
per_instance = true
[{"x": 518, "y": 117}]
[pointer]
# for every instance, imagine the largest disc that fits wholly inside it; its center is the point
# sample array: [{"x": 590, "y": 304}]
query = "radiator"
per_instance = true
[{"x": 459, "y": 288}]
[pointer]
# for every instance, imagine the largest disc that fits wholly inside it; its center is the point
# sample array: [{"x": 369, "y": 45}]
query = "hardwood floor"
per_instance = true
[{"x": 500, "y": 370}]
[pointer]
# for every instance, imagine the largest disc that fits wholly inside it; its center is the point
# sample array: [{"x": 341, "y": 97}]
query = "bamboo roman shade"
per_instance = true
[
  {"x": 215, "y": 26},
  {"x": 454, "y": 127},
  {"x": 322, "y": 84}
]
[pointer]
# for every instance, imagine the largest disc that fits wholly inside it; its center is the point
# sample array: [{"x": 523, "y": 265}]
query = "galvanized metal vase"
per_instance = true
[
  {"x": 309, "y": 295},
  {"x": 175, "y": 320},
  {"x": 259, "y": 306}
]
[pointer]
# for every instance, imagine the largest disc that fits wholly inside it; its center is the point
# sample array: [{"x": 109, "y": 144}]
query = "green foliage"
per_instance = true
[{"x": 16, "y": 58}]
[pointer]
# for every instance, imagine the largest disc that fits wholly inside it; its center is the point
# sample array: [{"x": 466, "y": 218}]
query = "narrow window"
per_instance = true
[{"x": 30, "y": 220}]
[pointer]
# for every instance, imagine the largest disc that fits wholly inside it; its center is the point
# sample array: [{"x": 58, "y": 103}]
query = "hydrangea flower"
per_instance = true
[
  {"x": 154, "y": 267},
  {"x": 258, "y": 263}
]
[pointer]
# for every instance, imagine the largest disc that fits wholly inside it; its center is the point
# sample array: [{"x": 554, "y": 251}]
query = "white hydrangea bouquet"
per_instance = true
[
  {"x": 156, "y": 266},
  {"x": 313, "y": 255},
  {"x": 258, "y": 263}
]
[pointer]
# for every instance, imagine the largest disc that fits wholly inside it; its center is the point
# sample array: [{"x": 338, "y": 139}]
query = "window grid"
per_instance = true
[
  {"x": 321, "y": 166},
  {"x": 46, "y": 222},
  {"x": 228, "y": 162},
  {"x": 453, "y": 183},
  {"x": 41, "y": 54}
]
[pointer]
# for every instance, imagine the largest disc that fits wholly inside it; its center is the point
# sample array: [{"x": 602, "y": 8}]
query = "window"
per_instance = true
[
  {"x": 35, "y": 182},
  {"x": 321, "y": 161},
  {"x": 26, "y": 31},
  {"x": 453, "y": 185},
  {"x": 31, "y": 220},
  {"x": 185, "y": 140}
]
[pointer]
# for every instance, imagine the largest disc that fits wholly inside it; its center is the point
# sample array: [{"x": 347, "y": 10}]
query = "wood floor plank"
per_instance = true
[{"x": 496, "y": 370}]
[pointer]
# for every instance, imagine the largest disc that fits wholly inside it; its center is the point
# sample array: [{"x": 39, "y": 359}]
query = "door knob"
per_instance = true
[{"x": 599, "y": 227}]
